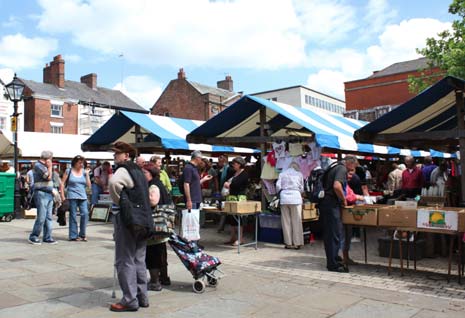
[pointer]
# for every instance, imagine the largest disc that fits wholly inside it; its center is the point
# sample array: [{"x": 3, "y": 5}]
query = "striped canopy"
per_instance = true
[
  {"x": 156, "y": 133},
  {"x": 240, "y": 122},
  {"x": 427, "y": 120}
]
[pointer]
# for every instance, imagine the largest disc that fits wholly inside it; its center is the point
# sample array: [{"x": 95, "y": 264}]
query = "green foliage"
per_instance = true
[{"x": 447, "y": 51}]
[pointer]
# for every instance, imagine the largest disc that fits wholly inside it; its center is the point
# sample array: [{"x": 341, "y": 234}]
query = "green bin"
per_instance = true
[{"x": 7, "y": 195}]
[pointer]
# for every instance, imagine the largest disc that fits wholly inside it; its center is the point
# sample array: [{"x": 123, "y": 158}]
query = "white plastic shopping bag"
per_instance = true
[{"x": 190, "y": 224}]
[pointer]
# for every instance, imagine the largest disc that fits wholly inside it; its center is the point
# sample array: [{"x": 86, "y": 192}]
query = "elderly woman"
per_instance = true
[
  {"x": 290, "y": 186},
  {"x": 237, "y": 186},
  {"x": 76, "y": 180},
  {"x": 156, "y": 254}
]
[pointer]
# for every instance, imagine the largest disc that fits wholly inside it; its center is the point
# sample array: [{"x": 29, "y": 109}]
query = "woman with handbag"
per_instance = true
[
  {"x": 156, "y": 254},
  {"x": 290, "y": 186},
  {"x": 76, "y": 180},
  {"x": 237, "y": 186}
]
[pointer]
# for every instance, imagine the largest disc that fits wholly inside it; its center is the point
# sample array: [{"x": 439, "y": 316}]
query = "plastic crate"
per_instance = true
[
  {"x": 271, "y": 221},
  {"x": 7, "y": 192},
  {"x": 270, "y": 235}
]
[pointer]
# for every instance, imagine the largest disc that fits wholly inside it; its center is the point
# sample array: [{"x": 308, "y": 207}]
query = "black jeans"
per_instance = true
[{"x": 330, "y": 212}]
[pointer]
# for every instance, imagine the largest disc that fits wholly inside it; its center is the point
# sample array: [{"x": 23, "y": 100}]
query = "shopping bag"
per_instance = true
[{"x": 190, "y": 224}]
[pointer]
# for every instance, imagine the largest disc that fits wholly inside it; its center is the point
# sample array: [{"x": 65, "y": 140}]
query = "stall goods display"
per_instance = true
[
  {"x": 242, "y": 206},
  {"x": 446, "y": 219},
  {"x": 361, "y": 214}
]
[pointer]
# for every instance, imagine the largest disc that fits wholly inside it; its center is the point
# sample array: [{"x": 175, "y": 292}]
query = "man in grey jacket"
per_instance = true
[{"x": 129, "y": 251}]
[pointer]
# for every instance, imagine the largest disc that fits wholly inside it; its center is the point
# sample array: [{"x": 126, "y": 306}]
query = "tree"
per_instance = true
[{"x": 446, "y": 52}]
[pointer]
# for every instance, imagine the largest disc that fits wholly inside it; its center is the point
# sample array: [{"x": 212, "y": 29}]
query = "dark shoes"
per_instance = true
[
  {"x": 118, "y": 307},
  {"x": 143, "y": 302},
  {"x": 339, "y": 269},
  {"x": 165, "y": 281}
]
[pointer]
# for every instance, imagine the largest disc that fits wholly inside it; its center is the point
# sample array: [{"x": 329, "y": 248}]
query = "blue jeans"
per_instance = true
[
  {"x": 96, "y": 191},
  {"x": 73, "y": 230},
  {"x": 44, "y": 205}
]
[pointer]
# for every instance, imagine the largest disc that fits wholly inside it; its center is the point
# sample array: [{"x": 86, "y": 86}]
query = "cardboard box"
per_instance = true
[
  {"x": 308, "y": 206},
  {"x": 438, "y": 219},
  {"x": 361, "y": 214},
  {"x": 432, "y": 201},
  {"x": 30, "y": 214},
  {"x": 406, "y": 204},
  {"x": 392, "y": 216},
  {"x": 242, "y": 206},
  {"x": 309, "y": 214},
  {"x": 461, "y": 223}
]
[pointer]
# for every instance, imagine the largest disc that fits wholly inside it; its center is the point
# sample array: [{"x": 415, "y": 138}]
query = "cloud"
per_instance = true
[
  {"x": 6, "y": 75},
  {"x": 12, "y": 22},
  {"x": 325, "y": 21},
  {"x": 259, "y": 34},
  {"x": 397, "y": 43},
  {"x": 142, "y": 89},
  {"x": 72, "y": 58},
  {"x": 18, "y": 51},
  {"x": 377, "y": 15}
]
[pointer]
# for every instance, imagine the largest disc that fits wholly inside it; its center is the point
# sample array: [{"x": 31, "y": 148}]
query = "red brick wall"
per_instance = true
[
  {"x": 372, "y": 92},
  {"x": 181, "y": 100},
  {"x": 38, "y": 116}
]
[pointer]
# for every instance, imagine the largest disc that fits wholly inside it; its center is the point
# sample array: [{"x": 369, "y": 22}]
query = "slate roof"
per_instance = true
[
  {"x": 402, "y": 67},
  {"x": 204, "y": 89},
  {"x": 101, "y": 97}
]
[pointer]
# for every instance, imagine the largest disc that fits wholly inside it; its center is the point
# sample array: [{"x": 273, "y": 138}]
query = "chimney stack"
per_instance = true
[
  {"x": 181, "y": 74},
  {"x": 90, "y": 80},
  {"x": 226, "y": 84},
  {"x": 55, "y": 73}
]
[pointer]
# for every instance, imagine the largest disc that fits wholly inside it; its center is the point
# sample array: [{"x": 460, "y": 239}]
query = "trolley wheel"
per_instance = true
[
  {"x": 8, "y": 217},
  {"x": 198, "y": 286},
  {"x": 212, "y": 281}
]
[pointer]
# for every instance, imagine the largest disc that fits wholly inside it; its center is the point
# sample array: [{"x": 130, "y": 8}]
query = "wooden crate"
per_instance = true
[
  {"x": 242, "y": 206},
  {"x": 361, "y": 214},
  {"x": 308, "y": 206}
]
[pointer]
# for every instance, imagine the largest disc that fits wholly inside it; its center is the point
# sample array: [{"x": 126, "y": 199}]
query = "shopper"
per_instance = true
[
  {"x": 330, "y": 210},
  {"x": 237, "y": 186},
  {"x": 156, "y": 258},
  {"x": 192, "y": 181},
  {"x": 102, "y": 175},
  {"x": 76, "y": 179},
  {"x": 290, "y": 186},
  {"x": 43, "y": 198},
  {"x": 165, "y": 179},
  {"x": 412, "y": 178},
  {"x": 130, "y": 251}
]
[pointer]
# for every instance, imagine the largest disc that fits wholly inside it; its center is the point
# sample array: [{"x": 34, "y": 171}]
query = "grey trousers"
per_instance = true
[
  {"x": 130, "y": 265},
  {"x": 291, "y": 220}
]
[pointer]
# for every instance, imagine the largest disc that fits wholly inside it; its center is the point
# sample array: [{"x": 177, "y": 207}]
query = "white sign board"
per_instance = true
[
  {"x": 406, "y": 204},
  {"x": 437, "y": 219}
]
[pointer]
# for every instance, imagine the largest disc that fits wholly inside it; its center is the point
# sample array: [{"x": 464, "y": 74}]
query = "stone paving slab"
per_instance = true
[{"x": 75, "y": 279}]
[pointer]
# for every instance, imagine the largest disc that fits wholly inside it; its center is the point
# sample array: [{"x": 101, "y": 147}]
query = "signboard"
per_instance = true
[{"x": 437, "y": 219}]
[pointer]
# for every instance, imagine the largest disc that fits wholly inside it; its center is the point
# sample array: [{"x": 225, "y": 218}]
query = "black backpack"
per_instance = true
[{"x": 314, "y": 184}]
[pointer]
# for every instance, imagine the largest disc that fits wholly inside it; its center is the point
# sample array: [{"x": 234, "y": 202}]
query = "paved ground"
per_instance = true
[{"x": 74, "y": 279}]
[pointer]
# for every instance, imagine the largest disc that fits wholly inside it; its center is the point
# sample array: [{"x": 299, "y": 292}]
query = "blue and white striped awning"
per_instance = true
[
  {"x": 330, "y": 131},
  {"x": 167, "y": 133},
  {"x": 427, "y": 120}
]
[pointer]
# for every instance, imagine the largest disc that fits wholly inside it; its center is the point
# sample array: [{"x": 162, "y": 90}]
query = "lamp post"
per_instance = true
[{"x": 15, "y": 91}]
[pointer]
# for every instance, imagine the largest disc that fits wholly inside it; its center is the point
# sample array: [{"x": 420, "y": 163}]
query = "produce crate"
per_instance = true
[
  {"x": 392, "y": 216},
  {"x": 309, "y": 214},
  {"x": 242, "y": 206},
  {"x": 366, "y": 214}
]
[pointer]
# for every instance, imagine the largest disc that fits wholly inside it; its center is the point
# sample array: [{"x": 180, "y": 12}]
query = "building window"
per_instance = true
[
  {"x": 2, "y": 122},
  {"x": 57, "y": 110},
  {"x": 167, "y": 114},
  {"x": 55, "y": 129}
]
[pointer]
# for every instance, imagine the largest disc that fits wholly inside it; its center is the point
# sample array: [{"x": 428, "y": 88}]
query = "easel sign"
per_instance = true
[{"x": 100, "y": 212}]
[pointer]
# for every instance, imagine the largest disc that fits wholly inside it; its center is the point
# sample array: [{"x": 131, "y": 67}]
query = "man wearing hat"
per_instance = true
[{"x": 130, "y": 249}]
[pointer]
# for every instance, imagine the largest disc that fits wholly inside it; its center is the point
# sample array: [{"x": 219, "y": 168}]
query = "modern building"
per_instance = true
[
  {"x": 67, "y": 107},
  {"x": 386, "y": 88},
  {"x": 183, "y": 98},
  {"x": 302, "y": 96}
]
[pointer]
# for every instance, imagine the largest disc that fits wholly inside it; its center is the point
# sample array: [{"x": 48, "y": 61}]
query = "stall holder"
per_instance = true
[
  {"x": 448, "y": 220},
  {"x": 237, "y": 209}
]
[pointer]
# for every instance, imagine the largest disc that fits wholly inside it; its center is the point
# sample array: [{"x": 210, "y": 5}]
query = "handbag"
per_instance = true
[
  {"x": 224, "y": 190},
  {"x": 190, "y": 224},
  {"x": 163, "y": 220}
]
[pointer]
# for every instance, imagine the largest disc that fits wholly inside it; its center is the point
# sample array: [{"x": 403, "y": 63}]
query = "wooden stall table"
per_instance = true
[{"x": 237, "y": 209}]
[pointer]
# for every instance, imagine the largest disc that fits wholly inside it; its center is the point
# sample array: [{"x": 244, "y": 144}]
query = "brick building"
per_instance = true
[
  {"x": 190, "y": 100},
  {"x": 67, "y": 107},
  {"x": 384, "y": 89}
]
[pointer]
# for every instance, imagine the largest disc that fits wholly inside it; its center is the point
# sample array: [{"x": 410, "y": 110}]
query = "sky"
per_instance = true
[{"x": 138, "y": 46}]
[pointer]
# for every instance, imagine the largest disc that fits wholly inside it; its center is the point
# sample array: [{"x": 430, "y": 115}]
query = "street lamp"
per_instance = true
[{"x": 15, "y": 91}]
